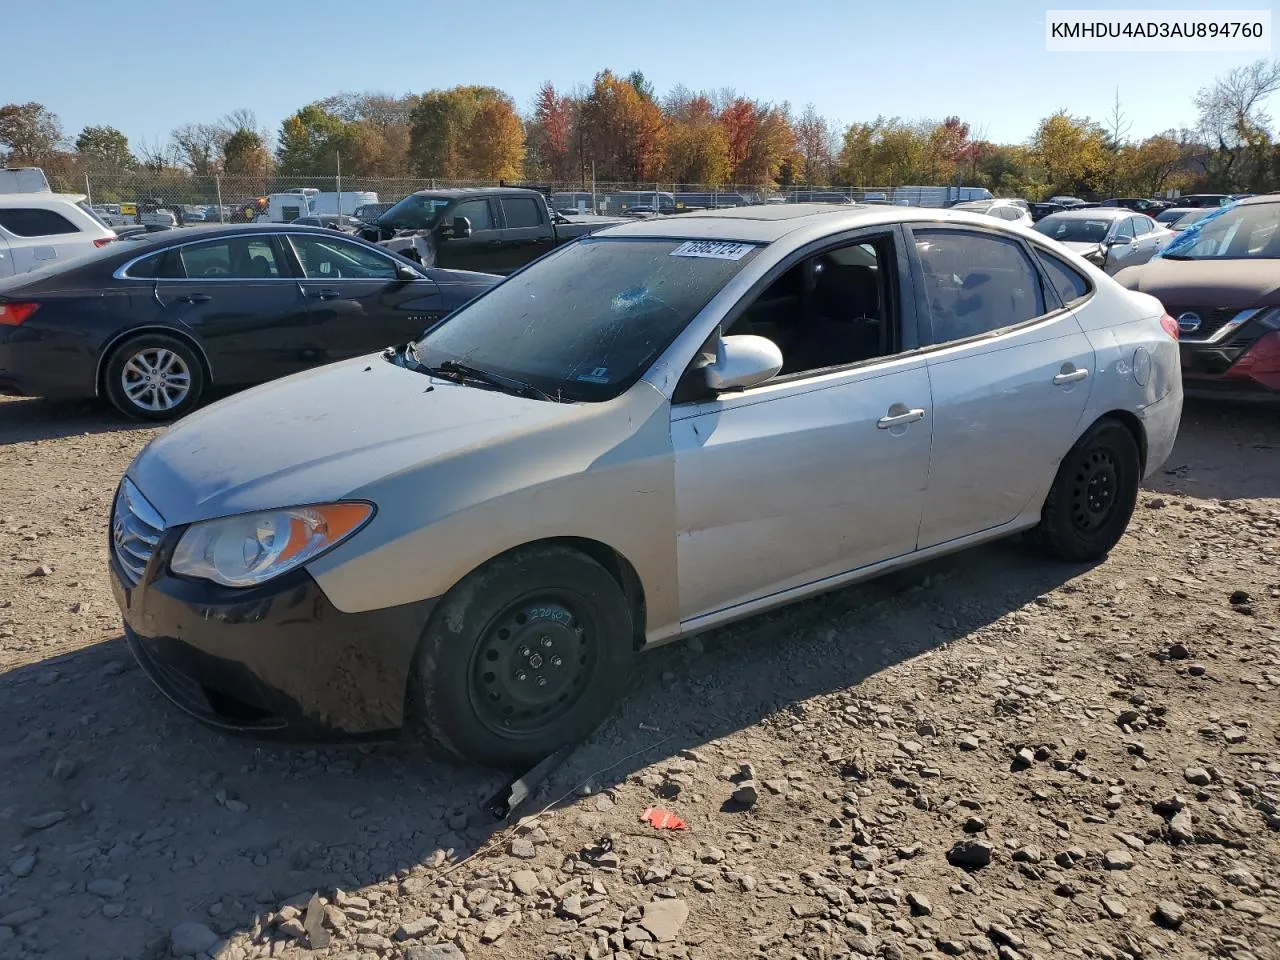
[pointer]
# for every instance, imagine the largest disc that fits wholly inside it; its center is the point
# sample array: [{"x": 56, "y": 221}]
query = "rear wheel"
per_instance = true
[
  {"x": 524, "y": 656},
  {"x": 1093, "y": 495},
  {"x": 153, "y": 377}
]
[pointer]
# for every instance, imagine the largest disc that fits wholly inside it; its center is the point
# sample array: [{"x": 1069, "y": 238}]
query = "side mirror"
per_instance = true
[
  {"x": 741, "y": 362},
  {"x": 1119, "y": 241},
  {"x": 407, "y": 273},
  {"x": 460, "y": 230}
]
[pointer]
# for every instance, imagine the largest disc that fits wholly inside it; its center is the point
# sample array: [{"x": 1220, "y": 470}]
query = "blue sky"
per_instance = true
[{"x": 146, "y": 66}]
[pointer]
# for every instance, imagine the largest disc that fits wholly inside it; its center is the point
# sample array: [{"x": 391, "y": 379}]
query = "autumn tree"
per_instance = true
[
  {"x": 104, "y": 148},
  {"x": 623, "y": 132},
  {"x": 29, "y": 134},
  {"x": 549, "y": 136},
  {"x": 466, "y": 133},
  {"x": 760, "y": 139},
  {"x": 697, "y": 149},
  {"x": 814, "y": 144},
  {"x": 1072, "y": 152}
]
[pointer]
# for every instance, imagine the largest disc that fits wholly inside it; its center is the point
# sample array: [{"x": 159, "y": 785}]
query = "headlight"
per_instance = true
[{"x": 254, "y": 547}]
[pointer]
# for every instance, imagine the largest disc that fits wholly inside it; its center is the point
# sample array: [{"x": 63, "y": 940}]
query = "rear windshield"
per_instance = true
[
  {"x": 1074, "y": 229},
  {"x": 588, "y": 341}
]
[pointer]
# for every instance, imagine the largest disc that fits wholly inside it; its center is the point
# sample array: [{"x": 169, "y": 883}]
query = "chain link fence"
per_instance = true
[{"x": 144, "y": 196}]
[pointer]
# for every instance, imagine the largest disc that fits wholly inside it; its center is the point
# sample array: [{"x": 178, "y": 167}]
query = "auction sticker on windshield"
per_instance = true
[{"x": 712, "y": 250}]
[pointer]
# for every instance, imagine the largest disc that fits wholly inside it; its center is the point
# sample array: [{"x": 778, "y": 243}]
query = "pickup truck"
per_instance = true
[{"x": 490, "y": 230}]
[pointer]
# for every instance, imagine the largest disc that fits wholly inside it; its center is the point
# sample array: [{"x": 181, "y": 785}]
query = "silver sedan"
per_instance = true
[{"x": 659, "y": 429}]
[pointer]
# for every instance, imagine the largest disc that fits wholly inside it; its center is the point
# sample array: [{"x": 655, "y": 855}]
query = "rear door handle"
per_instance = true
[
  {"x": 1072, "y": 377},
  {"x": 195, "y": 298},
  {"x": 900, "y": 419},
  {"x": 324, "y": 295}
]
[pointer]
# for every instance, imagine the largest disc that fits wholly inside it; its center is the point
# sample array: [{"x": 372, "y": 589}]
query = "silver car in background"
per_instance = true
[
  {"x": 1108, "y": 237},
  {"x": 663, "y": 427}
]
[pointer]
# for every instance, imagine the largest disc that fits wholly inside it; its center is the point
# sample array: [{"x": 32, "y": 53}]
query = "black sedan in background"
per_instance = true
[{"x": 152, "y": 322}]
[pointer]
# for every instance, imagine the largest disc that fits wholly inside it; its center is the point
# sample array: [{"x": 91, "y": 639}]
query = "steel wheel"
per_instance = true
[
  {"x": 532, "y": 664},
  {"x": 155, "y": 379},
  {"x": 1093, "y": 494}
]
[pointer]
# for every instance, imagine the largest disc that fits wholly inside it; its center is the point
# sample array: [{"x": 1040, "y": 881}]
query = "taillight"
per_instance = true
[
  {"x": 13, "y": 314},
  {"x": 103, "y": 241},
  {"x": 1170, "y": 326}
]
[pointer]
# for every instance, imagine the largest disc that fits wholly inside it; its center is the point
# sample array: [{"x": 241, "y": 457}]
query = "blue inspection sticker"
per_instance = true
[{"x": 597, "y": 375}]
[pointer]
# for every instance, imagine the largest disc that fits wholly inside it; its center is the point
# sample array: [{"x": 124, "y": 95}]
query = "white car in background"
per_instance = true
[
  {"x": 37, "y": 229},
  {"x": 1013, "y": 211},
  {"x": 1108, "y": 237}
]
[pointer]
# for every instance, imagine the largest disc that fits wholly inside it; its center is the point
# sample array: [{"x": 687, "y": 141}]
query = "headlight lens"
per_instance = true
[{"x": 252, "y": 548}]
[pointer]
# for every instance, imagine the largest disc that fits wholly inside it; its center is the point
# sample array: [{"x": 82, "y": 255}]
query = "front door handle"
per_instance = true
[
  {"x": 899, "y": 419},
  {"x": 1071, "y": 376},
  {"x": 324, "y": 295},
  {"x": 195, "y": 298}
]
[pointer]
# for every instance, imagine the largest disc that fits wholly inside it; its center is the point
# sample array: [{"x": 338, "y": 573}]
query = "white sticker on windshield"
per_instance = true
[{"x": 712, "y": 250}]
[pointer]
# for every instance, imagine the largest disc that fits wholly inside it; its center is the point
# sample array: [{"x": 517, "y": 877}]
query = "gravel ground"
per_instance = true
[{"x": 990, "y": 756}]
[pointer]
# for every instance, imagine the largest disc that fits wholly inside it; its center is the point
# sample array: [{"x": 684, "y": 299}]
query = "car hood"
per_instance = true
[
  {"x": 1236, "y": 284},
  {"x": 325, "y": 434},
  {"x": 1081, "y": 247}
]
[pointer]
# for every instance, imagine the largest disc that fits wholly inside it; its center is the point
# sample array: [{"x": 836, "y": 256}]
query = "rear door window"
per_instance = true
[
  {"x": 520, "y": 212},
  {"x": 975, "y": 283},
  {"x": 35, "y": 222}
]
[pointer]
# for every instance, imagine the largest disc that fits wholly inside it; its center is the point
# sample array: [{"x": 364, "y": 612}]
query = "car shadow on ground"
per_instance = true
[
  {"x": 221, "y": 828},
  {"x": 24, "y": 420},
  {"x": 1225, "y": 451}
]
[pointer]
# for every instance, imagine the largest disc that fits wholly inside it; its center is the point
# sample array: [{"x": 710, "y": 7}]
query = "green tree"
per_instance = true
[
  {"x": 310, "y": 141},
  {"x": 245, "y": 155},
  {"x": 29, "y": 133},
  {"x": 1072, "y": 152},
  {"x": 105, "y": 148}
]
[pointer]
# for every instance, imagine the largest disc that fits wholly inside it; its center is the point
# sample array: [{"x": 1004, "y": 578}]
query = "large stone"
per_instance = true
[
  {"x": 664, "y": 918},
  {"x": 970, "y": 854},
  {"x": 436, "y": 951},
  {"x": 189, "y": 938}
]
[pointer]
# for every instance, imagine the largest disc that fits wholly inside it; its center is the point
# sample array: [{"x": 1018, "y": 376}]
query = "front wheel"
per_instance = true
[
  {"x": 524, "y": 656},
  {"x": 1093, "y": 495},
  {"x": 153, "y": 377}
]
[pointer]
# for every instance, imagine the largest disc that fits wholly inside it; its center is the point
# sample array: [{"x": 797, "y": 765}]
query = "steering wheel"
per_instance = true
[{"x": 216, "y": 271}]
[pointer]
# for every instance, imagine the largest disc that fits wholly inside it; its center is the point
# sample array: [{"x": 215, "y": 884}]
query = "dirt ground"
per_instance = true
[{"x": 991, "y": 755}]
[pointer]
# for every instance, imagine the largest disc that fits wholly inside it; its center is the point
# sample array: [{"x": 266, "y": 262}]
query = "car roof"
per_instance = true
[
  {"x": 452, "y": 192},
  {"x": 1261, "y": 198},
  {"x": 1095, "y": 213},
  {"x": 207, "y": 232},
  {"x": 43, "y": 196},
  {"x": 767, "y": 223}
]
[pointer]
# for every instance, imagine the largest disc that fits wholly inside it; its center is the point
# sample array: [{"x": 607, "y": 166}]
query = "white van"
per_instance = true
[
  {"x": 23, "y": 180},
  {"x": 37, "y": 229}
]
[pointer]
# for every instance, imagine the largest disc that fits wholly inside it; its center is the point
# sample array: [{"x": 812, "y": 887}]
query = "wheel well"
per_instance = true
[
  {"x": 618, "y": 567},
  {"x": 1134, "y": 426},
  {"x": 99, "y": 380}
]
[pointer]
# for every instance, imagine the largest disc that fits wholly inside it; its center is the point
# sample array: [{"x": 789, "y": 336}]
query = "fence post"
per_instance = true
[
  {"x": 217, "y": 185},
  {"x": 88, "y": 192}
]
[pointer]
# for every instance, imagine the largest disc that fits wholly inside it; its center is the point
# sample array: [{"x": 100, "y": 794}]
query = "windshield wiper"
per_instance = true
[{"x": 465, "y": 372}]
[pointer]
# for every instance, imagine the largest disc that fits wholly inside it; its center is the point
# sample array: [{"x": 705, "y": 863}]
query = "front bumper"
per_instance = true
[{"x": 278, "y": 659}]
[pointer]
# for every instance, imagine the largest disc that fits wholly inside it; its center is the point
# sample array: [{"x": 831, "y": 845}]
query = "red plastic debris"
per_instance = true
[{"x": 661, "y": 819}]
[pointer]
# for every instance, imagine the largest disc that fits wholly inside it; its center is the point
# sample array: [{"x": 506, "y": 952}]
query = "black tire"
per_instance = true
[
  {"x": 1093, "y": 495},
  {"x": 494, "y": 683},
  {"x": 125, "y": 370}
]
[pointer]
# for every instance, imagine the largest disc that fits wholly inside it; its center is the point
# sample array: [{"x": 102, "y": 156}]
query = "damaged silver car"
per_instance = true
[{"x": 655, "y": 430}]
